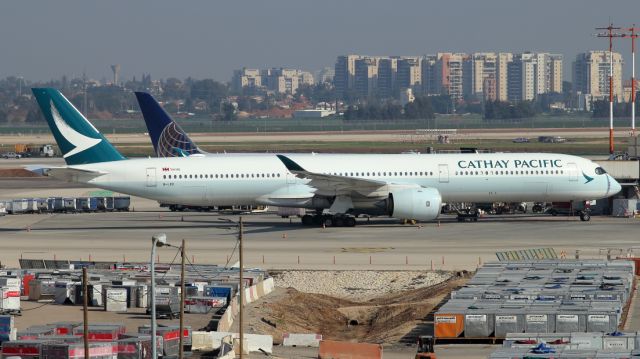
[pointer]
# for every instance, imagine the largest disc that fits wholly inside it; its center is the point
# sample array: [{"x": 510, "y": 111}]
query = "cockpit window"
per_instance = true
[{"x": 600, "y": 171}]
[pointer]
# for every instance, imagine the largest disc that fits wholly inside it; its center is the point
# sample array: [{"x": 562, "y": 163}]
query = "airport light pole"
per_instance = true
[
  {"x": 182, "y": 297},
  {"x": 157, "y": 240},
  {"x": 610, "y": 34},
  {"x": 241, "y": 296}
]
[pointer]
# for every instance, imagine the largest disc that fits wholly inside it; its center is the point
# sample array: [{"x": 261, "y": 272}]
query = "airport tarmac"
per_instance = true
[{"x": 276, "y": 243}]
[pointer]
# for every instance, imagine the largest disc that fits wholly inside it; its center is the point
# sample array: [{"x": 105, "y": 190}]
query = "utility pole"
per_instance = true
[
  {"x": 241, "y": 296},
  {"x": 610, "y": 34},
  {"x": 633, "y": 35},
  {"x": 85, "y": 311},
  {"x": 182, "y": 296}
]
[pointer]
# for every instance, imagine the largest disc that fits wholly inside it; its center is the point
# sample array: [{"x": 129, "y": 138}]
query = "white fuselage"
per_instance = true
[{"x": 228, "y": 179}]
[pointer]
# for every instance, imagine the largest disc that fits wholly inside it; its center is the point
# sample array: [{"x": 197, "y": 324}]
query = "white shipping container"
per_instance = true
[
  {"x": 65, "y": 292},
  {"x": 10, "y": 299},
  {"x": 115, "y": 300},
  {"x": 9, "y": 282}
]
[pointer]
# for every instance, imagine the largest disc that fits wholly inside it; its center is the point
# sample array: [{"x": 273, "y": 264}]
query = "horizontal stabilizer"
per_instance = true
[{"x": 72, "y": 174}]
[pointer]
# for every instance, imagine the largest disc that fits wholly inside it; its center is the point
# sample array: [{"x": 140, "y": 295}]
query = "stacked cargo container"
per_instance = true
[{"x": 547, "y": 296}]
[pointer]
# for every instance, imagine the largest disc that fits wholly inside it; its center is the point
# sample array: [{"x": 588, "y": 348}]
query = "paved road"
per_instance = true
[{"x": 273, "y": 242}]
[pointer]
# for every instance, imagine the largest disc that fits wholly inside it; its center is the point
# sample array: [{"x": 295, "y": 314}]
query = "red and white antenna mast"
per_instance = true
[
  {"x": 610, "y": 34},
  {"x": 633, "y": 35}
]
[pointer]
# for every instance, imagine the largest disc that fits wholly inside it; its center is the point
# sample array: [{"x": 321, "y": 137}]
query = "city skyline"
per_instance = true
[{"x": 209, "y": 40}]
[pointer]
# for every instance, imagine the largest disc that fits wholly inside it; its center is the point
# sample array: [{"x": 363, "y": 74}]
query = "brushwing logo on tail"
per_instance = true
[{"x": 79, "y": 141}]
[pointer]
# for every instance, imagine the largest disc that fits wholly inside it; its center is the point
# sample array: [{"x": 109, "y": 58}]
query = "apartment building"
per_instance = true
[{"x": 591, "y": 72}]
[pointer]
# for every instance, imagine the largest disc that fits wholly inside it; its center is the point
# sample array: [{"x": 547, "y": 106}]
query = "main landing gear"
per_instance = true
[
  {"x": 328, "y": 220},
  {"x": 585, "y": 216}
]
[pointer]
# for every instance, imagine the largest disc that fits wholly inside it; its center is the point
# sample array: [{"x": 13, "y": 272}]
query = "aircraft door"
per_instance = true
[
  {"x": 443, "y": 173},
  {"x": 573, "y": 172},
  {"x": 151, "y": 177}
]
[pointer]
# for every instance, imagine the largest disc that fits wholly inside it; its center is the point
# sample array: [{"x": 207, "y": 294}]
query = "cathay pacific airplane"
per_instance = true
[{"x": 336, "y": 186}]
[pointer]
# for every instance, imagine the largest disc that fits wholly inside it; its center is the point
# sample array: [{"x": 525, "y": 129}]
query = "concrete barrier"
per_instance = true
[
  {"x": 203, "y": 341},
  {"x": 251, "y": 294},
  {"x": 269, "y": 285},
  {"x": 330, "y": 349},
  {"x": 260, "y": 289},
  {"x": 301, "y": 340}
]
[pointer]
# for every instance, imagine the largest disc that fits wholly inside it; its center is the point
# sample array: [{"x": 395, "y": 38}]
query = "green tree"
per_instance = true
[
  {"x": 210, "y": 91},
  {"x": 420, "y": 108},
  {"x": 228, "y": 112}
]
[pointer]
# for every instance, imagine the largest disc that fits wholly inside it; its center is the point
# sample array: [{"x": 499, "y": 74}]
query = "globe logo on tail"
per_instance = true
[
  {"x": 79, "y": 141},
  {"x": 173, "y": 142}
]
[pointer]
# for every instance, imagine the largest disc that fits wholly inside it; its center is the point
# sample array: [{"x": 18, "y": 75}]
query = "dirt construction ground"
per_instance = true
[{"x": 387, "y": 319}]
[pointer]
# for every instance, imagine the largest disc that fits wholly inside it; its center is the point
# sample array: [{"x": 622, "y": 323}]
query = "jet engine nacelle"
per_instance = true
[{"x": 422, "y": 204}]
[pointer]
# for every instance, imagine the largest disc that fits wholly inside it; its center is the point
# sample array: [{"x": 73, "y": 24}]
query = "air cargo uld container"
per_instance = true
[
  {"x": 42, "y": 289},
  {"x": 65, "y": 292},
  {"x": 134, "y": 348},
  {"x": 115, "y": 299},
  {"x": 570, "y": 321},
  {"x": 69, "y": 204},
  {"x": 65, "y": 328},
  {"x": 99, "y": 333},
  {"x": 449, "y": 322},
  {"x": 540, "y": 322},
  {"x": 509, "y": 320},
  {"x": 121, "y": 203},
  {"x": 76, "y": 350},
  {"x": 170, "y": 338},
  {"x": 142, "y": 292},
  {"x": 9, "y": 299},
  {"x": 18, "y": 206},
  {"x": 42, "y": 205},
  {"x": 204, "y": 305},
  {"x": 32, "y": 205},
  {"x": 219, "y": 290},
  {"x": 479, "y": 322},
  {"x": 104, "y": 204},
  {"x": 82, "y": 204},
  {"x": 602, "y": 322},
  {"x": 23, "y": 349},
  {"x": 55, "y": 204},
  {"x": 36, "y": 332}
]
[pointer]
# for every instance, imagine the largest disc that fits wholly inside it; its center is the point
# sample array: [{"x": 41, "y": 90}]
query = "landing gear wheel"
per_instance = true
[
  {"x": 585, "y": 216},
  {"x": 350, "y": 222},
  {"x": 307, "y": 220},
  {"x": 328, "y": 222},
  {"x": 317, "y": 220},
  {"x": 338, "y": 222}
]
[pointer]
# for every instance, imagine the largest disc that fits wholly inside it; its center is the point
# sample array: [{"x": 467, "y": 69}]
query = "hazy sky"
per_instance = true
[{"x": 42, "y": 40}]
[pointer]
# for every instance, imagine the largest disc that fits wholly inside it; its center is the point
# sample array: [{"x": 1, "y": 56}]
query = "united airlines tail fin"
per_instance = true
[
  {"x": 79, "y": 141},
  {"x": 168, "y": 138}
]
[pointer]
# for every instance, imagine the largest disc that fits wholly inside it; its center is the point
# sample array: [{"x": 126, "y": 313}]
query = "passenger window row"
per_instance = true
[
  {"x": 277, "y": 175},
  {"x": 226, "y": 175},
  {"x": 381, "y": 174}
]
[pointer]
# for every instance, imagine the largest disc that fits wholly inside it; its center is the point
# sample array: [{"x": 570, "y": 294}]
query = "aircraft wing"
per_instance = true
[
  {"x": 332, "y": 185},
  {"x": 70, "y": 174}
]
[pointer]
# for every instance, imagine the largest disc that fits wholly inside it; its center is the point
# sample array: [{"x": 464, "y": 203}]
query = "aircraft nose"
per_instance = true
[{"x": 615, "y": 187}]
